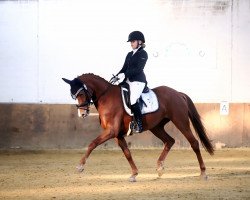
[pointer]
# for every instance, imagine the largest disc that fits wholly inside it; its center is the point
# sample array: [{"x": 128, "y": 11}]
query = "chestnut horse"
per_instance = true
[{"x": 173, "y": 106}]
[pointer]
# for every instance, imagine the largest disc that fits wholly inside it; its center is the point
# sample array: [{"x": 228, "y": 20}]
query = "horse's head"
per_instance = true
[{"x": 80, "y": 92}]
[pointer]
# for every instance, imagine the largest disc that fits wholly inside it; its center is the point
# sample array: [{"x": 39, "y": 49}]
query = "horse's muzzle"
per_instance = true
[{"x": 83, "y": 112}]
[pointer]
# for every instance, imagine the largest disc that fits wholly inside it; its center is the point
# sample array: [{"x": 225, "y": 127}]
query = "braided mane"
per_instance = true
[{"x": 91, "y": 75}]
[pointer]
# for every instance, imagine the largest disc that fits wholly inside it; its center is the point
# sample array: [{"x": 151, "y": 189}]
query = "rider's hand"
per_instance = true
[
  {"x": 114, "y": 79},
  {"x": 121, "y": 76}
]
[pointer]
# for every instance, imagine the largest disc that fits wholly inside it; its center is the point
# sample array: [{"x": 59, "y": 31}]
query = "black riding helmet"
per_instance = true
[{"x": 136, "y": 35}]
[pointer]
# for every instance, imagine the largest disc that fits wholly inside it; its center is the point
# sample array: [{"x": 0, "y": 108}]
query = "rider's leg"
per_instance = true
[
  {"x": 136, "y": 89},
  {"x": 138, "y": 116}
]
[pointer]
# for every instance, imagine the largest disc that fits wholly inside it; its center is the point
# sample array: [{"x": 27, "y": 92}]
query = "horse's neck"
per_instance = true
[{"x": 97, "y": 84}]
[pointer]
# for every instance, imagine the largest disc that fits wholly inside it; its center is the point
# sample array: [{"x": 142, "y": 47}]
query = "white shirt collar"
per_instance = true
[{"x": 135, "y": 50}]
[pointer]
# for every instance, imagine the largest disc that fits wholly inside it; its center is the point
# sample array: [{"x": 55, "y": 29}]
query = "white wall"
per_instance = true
[{"x": 198, "y": 47}]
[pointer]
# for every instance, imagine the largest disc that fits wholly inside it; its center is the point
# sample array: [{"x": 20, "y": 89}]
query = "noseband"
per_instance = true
[{"x": 85, "y": 105}]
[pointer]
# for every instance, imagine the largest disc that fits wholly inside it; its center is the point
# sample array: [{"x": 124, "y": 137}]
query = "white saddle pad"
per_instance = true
[{"x": 150, "y": 104}]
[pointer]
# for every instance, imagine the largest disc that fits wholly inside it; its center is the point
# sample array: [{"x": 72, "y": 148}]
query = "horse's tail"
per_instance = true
[{"x": 198, "y": 126}]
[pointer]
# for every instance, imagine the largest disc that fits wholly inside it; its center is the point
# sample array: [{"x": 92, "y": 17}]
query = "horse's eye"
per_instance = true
[{"x": 80, "y": 94}]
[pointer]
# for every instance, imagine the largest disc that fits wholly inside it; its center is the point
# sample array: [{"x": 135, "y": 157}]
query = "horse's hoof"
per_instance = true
[
  {"x": 132, "y": 178},
  {"x": 160, "y": 171},
  {"x": 204, "y": 177},
  {"x": 80, "y": 168}
]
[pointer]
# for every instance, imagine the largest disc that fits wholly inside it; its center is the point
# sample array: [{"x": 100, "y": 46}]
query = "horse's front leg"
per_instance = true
[
  {"x": 106, "y": 135},
  {"x": 123, "y": 144}
]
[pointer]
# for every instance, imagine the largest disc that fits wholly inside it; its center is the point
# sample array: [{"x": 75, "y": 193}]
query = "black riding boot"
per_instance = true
[{"x": 138, "y": 117}]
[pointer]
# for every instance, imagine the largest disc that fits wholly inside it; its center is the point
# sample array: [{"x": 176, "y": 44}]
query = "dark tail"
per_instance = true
[{"x": 198, "y": 126}]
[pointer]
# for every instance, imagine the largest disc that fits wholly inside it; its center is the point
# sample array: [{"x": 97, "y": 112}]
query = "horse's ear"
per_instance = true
[{"x": 66, "y": 80}]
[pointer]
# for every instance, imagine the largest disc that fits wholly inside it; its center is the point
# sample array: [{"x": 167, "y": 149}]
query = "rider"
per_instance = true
[{"x": 134, "y": 75}]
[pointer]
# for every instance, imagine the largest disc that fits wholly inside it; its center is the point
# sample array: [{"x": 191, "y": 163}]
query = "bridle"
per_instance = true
[
  {"x": 89, "y": 98},
  {"x": 84, "y": 105}
]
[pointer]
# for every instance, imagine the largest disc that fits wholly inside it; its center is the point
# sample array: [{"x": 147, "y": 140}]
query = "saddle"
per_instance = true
[{"x": 148, "y": 101}]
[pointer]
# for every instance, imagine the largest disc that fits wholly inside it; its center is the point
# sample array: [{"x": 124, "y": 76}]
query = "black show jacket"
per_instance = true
[{"x": 134, "y": 65}]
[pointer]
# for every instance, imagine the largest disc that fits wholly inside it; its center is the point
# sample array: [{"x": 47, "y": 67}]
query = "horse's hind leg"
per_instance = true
[
  {"x": 195, "y": 146},
  {"x": 168, "y": 141},
  {"x": 186, "y": 131}
]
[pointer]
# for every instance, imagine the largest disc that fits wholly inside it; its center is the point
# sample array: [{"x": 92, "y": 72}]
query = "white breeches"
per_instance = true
[{"x": 136, "y": 89}]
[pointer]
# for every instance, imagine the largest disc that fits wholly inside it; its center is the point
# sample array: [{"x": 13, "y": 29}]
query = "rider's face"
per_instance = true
[{"x": 134, "y": 44}]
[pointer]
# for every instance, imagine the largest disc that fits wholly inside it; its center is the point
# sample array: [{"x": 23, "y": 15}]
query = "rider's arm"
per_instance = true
[{"x": 125, "y": 65}]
